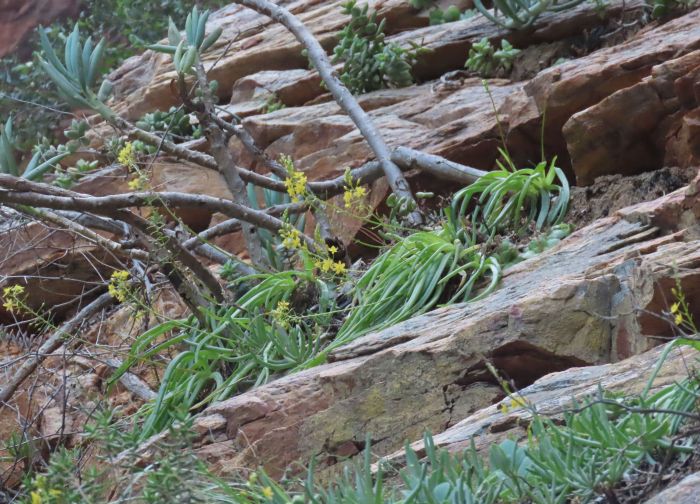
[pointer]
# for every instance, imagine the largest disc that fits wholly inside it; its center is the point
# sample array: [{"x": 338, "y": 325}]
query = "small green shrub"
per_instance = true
[
  {"x": 175, "y": 122},
  {"x": 486, "y": 61},
  {"x": 519, "y": 14},
  {"x": 449, "y": 15},
  {"x": 664, "y": 8},
  {"x": 369, "y": 63}
]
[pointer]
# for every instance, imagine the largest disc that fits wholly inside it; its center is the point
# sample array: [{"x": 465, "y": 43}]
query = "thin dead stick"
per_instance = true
[
  {"x": 132, "y": 383},
  {"x": 343, "y": 97},
  {"x": 51, "y": 344}
]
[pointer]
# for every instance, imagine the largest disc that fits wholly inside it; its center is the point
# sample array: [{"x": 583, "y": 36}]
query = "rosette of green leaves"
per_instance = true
[
  {"x": 186, "y": 50},
  {"x": 76, "y": 76},
  {"x": 513, "y": 199},
  {"x": 485, "y": 60},
  {"x": 519, "y": 14},
  {"x": 37, "y": 165},
  {"x": 412, "y": 277}
]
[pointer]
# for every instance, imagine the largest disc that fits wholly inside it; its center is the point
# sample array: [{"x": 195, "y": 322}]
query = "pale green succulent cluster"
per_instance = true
[
  {"x": 486, "y": 60},
  {"x": 76, "y": 76},
  {"x": 37, "y": 165},
  {"x": 518, "y": 14},
  {"x": 186, "y": 50},
  {"x": 369, "y": 62}
]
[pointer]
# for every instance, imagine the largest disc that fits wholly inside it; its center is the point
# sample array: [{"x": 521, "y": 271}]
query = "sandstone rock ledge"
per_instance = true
[{"x": 593, "y": 299}]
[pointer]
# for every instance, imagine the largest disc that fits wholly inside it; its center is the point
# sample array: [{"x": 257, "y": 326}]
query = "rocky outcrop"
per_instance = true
[
  {"x": 552, "y": 394},
  {"x": 593, "y": 299},
  {"x": 686, "y": 491},
  {"x": 18, "y": 18}
]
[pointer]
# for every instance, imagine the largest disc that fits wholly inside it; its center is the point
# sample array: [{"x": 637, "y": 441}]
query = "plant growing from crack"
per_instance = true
[
  {"x": 487, "y": 61},
  {"x": 370, "y": 63}
]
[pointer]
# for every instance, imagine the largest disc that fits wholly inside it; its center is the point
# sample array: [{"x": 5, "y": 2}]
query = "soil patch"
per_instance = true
[{"x": 610, "y": 193}]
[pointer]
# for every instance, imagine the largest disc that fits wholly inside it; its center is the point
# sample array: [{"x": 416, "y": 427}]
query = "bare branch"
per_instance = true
[{"x": 342, "y": 96}]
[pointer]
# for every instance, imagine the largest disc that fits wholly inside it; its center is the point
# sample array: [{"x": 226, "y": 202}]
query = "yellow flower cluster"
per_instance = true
[
  {"x": 42, "y": 494},
  {"x": 295, "y": 182},
  {"x": 281, "y": 314},
  {"x": 353, "y": 196},
  {"x": 515, "y": 402},
  {"x": 127, "y": 155},
  {"x": 12, "y": 297},
  {"x": 139, "y": 183},
  {"x": 678, "y": 316},
  {"x": 291, "y": 237},
  {"x": 118, "y": 285},
  {"x": 328, "y": 265},
  {"x": 296, "y": 185}
]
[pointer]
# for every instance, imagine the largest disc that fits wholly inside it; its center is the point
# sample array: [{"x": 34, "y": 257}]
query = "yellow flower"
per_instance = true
[
  {"x": 332, "y": 250},
  {"x": 515, "y": 402},
  {"x": 13, "y": 298},
  {"x": 267, "y": 492},
  {"x": 674, "y": 308},
  {"x": 679, "y": 319},
  {"x": 138, "y": 184},
  {"x": 291, "y": 237},
  {"x": 281, "y": 313},
  {"x": 118, "y": 287},
  {"x": 36, "y": 498},
  {"x": 127, "y": 156},
  {"x": 295, "y": 182},
  {"x": 296, "y": 186},
  {"x": 353, "y": 195},
  {"x": 339, "y": 268}
]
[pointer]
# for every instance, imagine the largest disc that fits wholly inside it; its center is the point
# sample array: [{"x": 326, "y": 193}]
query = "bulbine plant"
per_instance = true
[
  {"x": 514, "y": 198},
  {"x": 419, "y": 272},
  {"x": 519, "y": 14},
  {"x": 278, "y": 325}
]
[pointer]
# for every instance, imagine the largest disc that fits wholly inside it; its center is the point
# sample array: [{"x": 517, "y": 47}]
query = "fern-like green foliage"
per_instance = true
[
  {"x": 369, "y": 62},
  {"x": 486, "y": 60},
  {"x": 37, "y": 165},
  {"x": 519, "y": 14}
]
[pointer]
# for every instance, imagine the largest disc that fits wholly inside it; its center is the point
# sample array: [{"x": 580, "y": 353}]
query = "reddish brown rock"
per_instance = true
[
  {"x": 18, "y": 18},
  {"x": 626, "y": 132}
]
